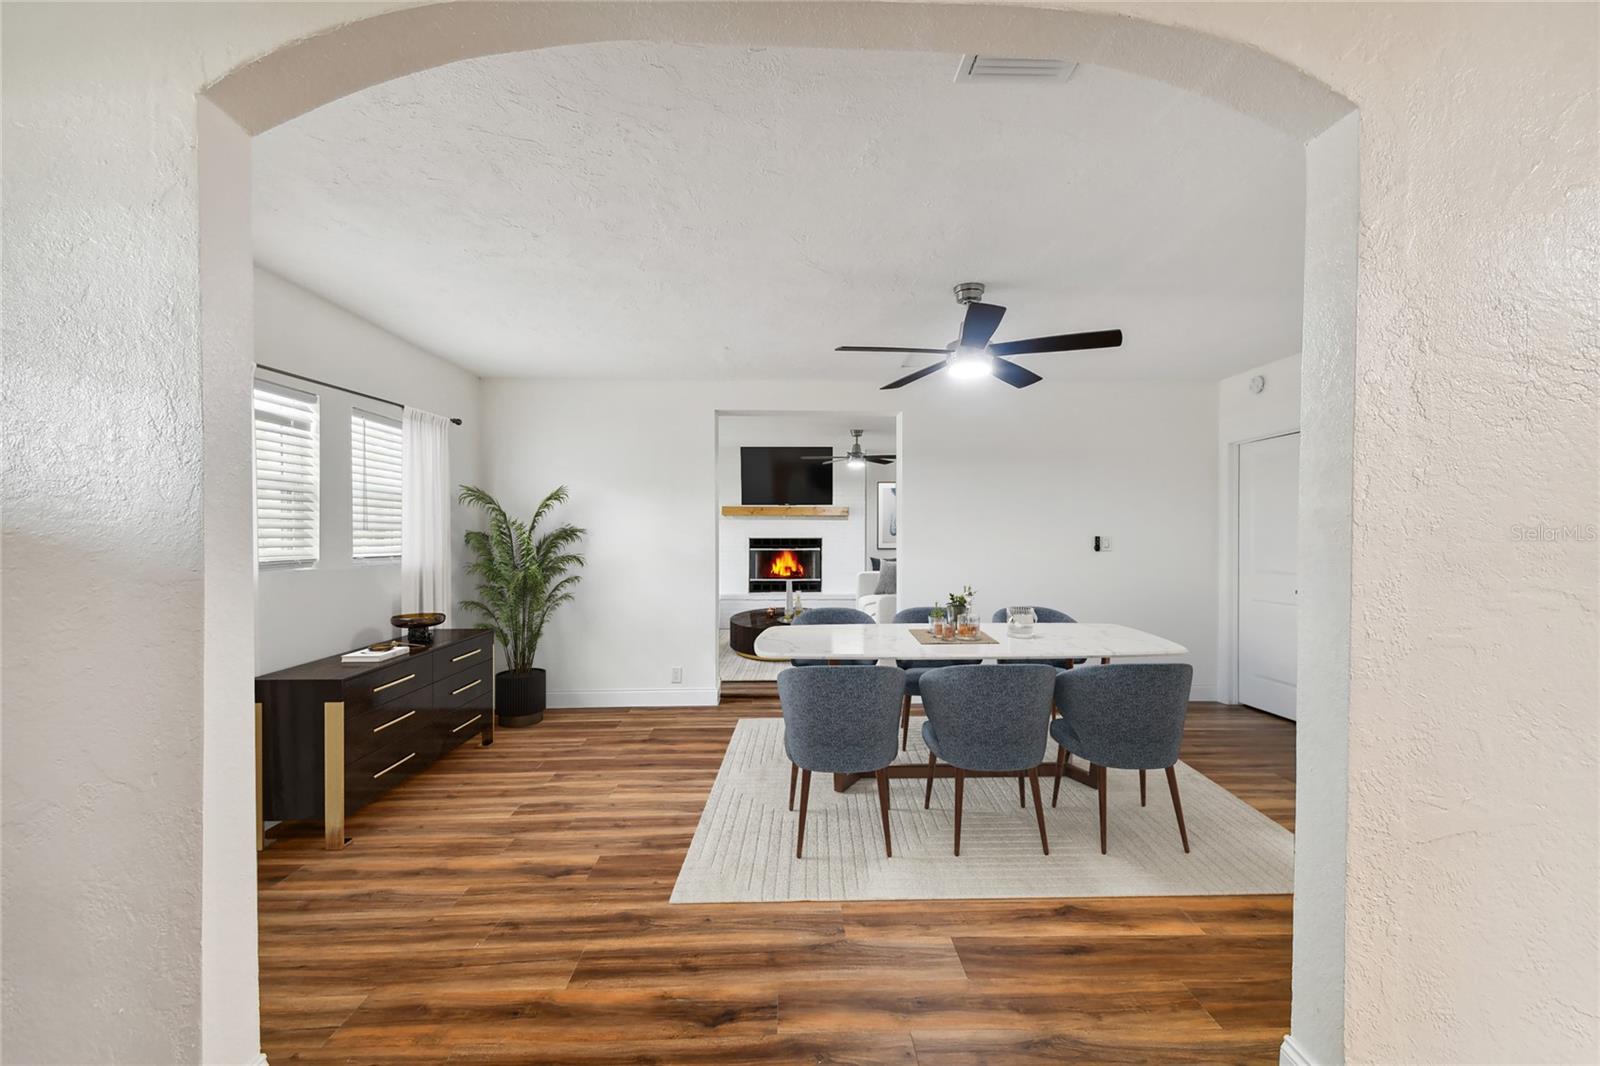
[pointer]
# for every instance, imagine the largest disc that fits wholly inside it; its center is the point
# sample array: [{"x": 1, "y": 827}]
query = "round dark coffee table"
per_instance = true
[{"x": 746, "y": 626}]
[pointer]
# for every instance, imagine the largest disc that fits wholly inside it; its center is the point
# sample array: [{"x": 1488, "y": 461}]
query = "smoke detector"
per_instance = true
[{"x": 1013, "y": 69}]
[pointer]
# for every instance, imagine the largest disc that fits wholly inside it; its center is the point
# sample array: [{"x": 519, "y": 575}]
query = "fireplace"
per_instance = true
[{"x": 775, "y": 561}]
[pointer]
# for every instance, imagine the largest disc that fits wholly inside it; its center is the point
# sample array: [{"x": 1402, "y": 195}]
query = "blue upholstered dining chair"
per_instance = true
[
  {"x": 991, "y": 721},
  {"x": 840, "y": 722},
  {"x": 1128, "y": 716},
  {"x": 915, "y": 668},
  {"x": 833, "y": 616}
]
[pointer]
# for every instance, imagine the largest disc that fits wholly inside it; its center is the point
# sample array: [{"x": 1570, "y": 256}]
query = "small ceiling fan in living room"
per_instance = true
[
  {"x": 971, "y": 355},
  {"x": 855, "y": 457}
]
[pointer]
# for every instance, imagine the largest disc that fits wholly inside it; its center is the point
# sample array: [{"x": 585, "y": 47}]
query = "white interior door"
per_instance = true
[{"x": 1269, "y": 481}]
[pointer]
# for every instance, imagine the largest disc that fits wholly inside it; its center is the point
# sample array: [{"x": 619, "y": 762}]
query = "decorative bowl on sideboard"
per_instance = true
[{"x": 417, "y": 626}]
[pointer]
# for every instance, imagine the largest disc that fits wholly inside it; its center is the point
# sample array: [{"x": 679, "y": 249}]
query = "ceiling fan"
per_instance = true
[
  {"x": 971, "y": 355},
  {"x": 855, "y": 457}
]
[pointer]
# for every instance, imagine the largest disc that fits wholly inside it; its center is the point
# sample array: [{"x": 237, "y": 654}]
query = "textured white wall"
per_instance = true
[
  {"x": 1322, "y": 761},
  {"x": 999, "y": 489},
  {"x": 1472, "y": 837},
  {"x": 343, "y": 602},
  {"x": 228, "y": 968}
]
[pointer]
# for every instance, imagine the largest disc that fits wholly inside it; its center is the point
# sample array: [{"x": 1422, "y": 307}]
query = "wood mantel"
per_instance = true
[{"x": 786, "y": 510}]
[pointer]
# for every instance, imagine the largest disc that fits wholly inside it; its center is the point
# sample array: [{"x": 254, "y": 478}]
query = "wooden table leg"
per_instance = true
[
  {"x": 333, "y": 838},
  {"x": 920, "y": 772}
]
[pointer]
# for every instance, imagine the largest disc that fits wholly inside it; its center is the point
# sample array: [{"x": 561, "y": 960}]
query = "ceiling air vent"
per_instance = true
[{"x": 1010, "y": 69}]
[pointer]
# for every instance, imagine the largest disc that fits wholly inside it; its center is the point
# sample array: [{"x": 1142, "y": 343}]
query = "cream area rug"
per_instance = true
[{"x": 743, "y": 849}]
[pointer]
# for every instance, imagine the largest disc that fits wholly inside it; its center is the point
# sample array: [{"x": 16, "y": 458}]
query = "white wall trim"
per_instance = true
[
  {"x": 591, "y": 698},
  {"x": 1292, "y": 1054}
]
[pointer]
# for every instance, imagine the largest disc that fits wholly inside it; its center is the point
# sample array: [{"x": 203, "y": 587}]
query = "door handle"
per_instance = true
[
  {"x": 396, "y": 721},
  {"x": 392, "y": 684},
  {"x": 393, "y": 766}
]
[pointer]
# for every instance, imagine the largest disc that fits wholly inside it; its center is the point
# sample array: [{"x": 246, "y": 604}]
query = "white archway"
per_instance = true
[
  {"x": 308, "y": 73},
  {"x": 1469, "y": 924}
]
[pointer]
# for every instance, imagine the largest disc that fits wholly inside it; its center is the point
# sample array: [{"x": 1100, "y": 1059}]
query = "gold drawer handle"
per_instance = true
[
  {"x": 392, "y": 684},
  {"x": 470, "y": 654},
  {"x": 386, "y": 769},
  {"x": 464, "y": 688},
  {"x": 468, "y": 722},
  {"x": 397, "y": 721}
]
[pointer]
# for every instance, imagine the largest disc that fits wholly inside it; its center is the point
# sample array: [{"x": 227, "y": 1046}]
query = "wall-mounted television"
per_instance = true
[{"x": 781, "y": 475}]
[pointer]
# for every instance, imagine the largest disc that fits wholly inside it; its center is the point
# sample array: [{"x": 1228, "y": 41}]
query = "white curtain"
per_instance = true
[{"x": 425, "y": 514}]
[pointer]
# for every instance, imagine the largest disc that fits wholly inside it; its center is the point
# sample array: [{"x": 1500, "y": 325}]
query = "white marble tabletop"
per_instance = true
[{"x": 1052, "y": 640}]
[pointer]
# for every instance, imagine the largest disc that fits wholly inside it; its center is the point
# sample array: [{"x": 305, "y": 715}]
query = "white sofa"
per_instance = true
[{"x": 881, "y": 608}]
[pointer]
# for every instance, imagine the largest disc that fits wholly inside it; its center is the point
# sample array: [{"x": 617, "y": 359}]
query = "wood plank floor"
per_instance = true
[{"x": 510, "y": 905}]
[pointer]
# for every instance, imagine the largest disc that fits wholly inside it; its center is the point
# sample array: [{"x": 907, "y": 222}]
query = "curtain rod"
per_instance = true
[{"x": 341, "y": 388}]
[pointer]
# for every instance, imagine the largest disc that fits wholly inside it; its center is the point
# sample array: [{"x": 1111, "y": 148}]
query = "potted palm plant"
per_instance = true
[{"x": 523, "y": 576}]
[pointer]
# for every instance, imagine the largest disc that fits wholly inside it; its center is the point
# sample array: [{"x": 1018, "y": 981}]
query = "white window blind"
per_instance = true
[
  {"x": 374, "y": 485},
  {"x": 286, "y": 474}
]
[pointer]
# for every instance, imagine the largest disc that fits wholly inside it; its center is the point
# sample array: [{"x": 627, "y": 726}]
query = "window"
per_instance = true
[
  {"x": 286, "y": 474},
  {"x": 374, "y": 486}
]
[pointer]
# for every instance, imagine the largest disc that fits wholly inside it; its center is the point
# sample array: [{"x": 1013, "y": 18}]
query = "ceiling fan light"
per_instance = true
[
  {"x": 968, "y": 365},
  {"x": 855, "y": 462}
]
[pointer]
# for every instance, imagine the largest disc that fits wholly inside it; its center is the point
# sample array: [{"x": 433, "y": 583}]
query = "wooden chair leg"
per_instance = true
[
  {"x": 1038, "y": 808},
  {"x": 794, "y": 777},
  {"x": 805, "y": 796},
  {"x": 1100, "y": 783},
  {"x": 928, "y": 798},
  {"x": 1022, "y": 790},
  {"x": 883, "y": 807},
  {"x": 905, "y": 721},
  {"x": 1061, "y": 768},
  {"x": 1141, "y": 788},
  {"x": 961, "y": 781},
  {"x": 1177, "y": 806}
]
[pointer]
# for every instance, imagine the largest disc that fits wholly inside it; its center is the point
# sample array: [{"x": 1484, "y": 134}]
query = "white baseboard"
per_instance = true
[
  {"x": 676, "y": 696},
  {"x": 1202, "y": 693},
  {"x": 1291, "y": 1054}
]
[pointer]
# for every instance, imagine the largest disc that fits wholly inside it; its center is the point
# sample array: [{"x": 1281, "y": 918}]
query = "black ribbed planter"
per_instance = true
[{"x": 519, "y": 697}]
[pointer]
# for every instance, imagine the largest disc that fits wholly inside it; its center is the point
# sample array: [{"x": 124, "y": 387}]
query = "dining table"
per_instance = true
[{"x": 1057, "y": 641}]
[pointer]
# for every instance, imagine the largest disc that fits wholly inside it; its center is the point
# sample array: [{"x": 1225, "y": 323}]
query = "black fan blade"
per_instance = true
[
  {"x": 881, "y": 460},
  {"x": 979, "y": 325},
  {"x": 909, "y": 378},
  {"x": 910, "y": 351},
  {"x": 1019, "y": 377},
  {"x": 1063, "y": 342},
  {"x": 819, "y": 458}
]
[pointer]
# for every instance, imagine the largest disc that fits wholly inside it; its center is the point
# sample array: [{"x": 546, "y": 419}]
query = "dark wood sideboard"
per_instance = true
[{"x": 331, "y": 738}]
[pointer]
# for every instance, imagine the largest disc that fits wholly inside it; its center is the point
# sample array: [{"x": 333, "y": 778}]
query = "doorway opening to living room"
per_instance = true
[{"x": 807, "y": 517}]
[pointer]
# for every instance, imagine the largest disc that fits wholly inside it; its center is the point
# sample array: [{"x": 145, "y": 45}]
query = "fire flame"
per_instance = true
[{"x": 785, "y": 564}]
